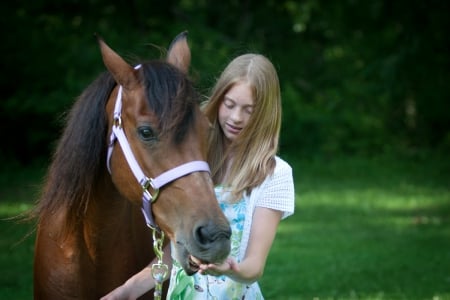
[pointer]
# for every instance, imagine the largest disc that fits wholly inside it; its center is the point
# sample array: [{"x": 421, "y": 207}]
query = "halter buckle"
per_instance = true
[{"x": 146, "y": 185}]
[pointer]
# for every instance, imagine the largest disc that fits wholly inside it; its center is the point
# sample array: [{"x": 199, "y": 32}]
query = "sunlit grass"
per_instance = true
[{"x": 12, "y": 209}]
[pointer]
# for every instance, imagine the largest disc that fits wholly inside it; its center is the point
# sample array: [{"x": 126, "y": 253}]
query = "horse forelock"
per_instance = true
[
  {"x": 172, "y": 97},
  {"x": 79, "y": 157}
]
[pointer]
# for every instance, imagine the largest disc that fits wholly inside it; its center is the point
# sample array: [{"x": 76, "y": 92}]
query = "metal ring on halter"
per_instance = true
[
  {"x": 148, "y": 183},
  {"x": 117, "y": 121}
]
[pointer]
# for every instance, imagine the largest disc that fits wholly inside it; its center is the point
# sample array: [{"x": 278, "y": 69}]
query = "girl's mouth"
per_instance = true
[{"x": 233, "y": 129}]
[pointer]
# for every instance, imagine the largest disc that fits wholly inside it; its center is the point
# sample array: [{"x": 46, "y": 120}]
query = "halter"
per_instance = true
[{"x": 146, "y": 183}]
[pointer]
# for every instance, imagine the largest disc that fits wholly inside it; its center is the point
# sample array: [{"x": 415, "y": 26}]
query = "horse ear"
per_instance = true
[
  {"x": 123, "y": 73},
  {"x": 179, "y": 53}
]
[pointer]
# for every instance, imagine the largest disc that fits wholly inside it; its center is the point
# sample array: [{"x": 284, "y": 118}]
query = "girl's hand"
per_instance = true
[{"x": 228, "y": 267}]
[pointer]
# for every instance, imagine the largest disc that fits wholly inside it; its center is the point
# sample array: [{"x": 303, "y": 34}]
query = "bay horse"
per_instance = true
[{"x": 135, "y": 135}]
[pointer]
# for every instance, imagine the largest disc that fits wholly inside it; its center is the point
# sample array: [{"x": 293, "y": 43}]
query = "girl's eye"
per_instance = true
[
  {"x": 146, "y": 133},
  {"x": 228, "y": 104}
]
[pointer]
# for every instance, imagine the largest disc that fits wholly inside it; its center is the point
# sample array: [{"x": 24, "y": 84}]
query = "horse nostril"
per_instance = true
[{"x": 209, "y": 233}]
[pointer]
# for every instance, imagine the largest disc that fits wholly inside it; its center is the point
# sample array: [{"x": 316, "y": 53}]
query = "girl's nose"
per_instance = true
[{"x": 236, "y": 115}]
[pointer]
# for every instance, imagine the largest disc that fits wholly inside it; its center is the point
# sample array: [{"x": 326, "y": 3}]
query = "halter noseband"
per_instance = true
[{"x": 146, "y": 183}]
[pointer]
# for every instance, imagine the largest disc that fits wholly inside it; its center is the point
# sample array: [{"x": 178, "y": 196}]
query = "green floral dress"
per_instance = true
[{"x": 200, "y": 287}]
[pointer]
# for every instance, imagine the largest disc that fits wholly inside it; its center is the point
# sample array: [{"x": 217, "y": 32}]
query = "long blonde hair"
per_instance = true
[{"x": 255, "y": 147}]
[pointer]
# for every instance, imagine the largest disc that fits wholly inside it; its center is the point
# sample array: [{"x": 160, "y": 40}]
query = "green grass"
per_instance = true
[
  {"x": 362, "y": 229},
  {"x": 18, "y": 191}
]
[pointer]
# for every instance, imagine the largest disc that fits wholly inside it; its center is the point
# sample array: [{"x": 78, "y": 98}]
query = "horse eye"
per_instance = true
[{"x": 146, "y": 133}]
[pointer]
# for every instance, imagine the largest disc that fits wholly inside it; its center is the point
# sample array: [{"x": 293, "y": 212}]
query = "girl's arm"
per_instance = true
[
  {"x": 251, "y": 268},
  {"x": 141, "y": 282}
]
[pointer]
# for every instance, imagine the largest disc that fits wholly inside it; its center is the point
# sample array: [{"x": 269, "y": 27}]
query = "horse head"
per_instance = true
[{"x": 156, "y": 109}]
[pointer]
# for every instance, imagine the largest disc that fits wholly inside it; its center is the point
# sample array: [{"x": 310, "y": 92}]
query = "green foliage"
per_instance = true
[{"x": 358, "y": 77}]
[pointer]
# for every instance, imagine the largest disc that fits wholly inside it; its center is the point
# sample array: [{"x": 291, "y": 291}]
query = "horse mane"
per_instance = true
[
  {"x": 80, "y": 155},
  {"x": 77, "y": 162}
]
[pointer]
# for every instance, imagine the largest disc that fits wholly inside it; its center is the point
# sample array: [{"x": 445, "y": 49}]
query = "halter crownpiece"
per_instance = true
[{"x": 146, "y": 183}]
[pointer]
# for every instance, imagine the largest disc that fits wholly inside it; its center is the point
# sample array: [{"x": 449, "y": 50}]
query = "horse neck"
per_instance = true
[{"x": 113, "y": 221}]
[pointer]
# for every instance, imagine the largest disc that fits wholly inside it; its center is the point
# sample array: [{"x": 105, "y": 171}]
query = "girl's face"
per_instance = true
[{"x": 235, "y": 110}]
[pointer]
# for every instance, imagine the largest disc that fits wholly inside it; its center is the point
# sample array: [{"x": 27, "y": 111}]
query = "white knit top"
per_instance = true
[{"x": 276, "y": 192}]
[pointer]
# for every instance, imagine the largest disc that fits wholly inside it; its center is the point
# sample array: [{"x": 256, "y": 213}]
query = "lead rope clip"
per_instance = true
[{"x": 159, "y": 269}]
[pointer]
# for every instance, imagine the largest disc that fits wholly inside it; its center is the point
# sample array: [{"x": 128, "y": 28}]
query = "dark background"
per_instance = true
[{"x": 357, "y": 77}]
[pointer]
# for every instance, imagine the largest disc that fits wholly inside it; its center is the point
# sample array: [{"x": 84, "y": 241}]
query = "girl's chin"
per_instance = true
[{"x": 231, "y": 136}]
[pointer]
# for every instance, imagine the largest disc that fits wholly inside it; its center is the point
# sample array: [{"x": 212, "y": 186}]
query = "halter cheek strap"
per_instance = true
[
  {"x": 162, "y": 180},
  {"x": 146, "y": 183}
]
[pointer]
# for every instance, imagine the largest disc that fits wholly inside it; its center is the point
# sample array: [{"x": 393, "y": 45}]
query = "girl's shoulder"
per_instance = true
[
  {"x": 282, "y": 174},
  {"x": 277, "y": 191},
  {"x": 281, "y": 165}
]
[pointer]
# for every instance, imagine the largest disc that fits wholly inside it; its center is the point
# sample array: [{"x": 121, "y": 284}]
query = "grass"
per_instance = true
[
  {"x": 18, "y": 191},
  {"x": 363, "y": 229}
]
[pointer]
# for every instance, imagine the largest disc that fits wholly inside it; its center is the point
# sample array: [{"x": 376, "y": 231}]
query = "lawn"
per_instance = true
[
  {"x": 363, "y": 229},
  {"x": 18, "y": 190}
]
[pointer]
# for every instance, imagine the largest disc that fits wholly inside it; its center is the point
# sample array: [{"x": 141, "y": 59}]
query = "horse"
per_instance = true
[{"x": 131, "y": 156}]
